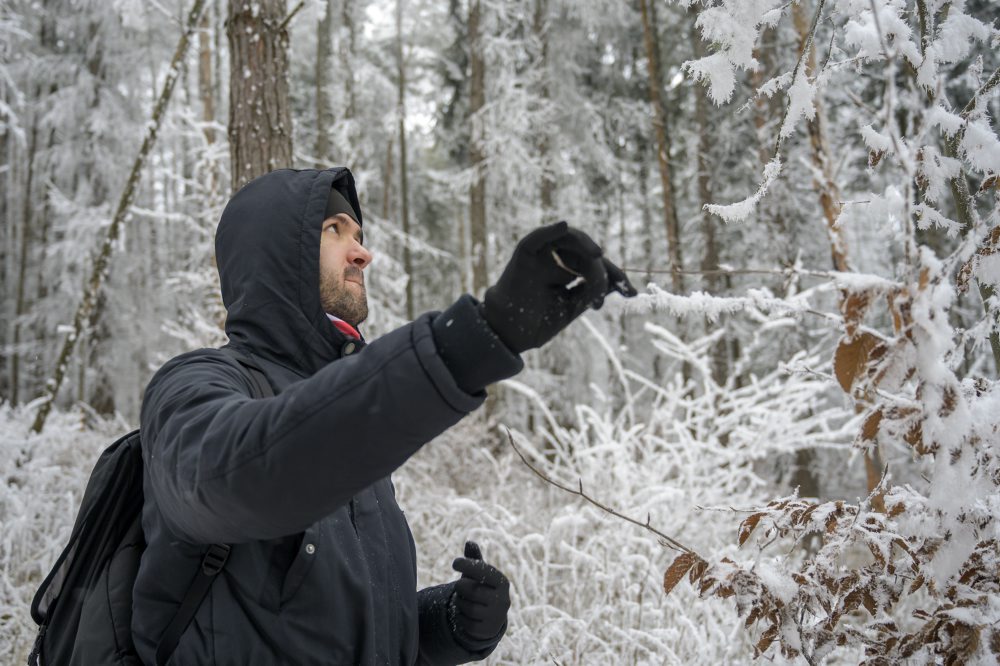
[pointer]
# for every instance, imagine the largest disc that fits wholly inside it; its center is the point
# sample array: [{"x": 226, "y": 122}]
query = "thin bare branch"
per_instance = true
[
  {"x": 667, "y": 541},
  {"x": 291, "y": 15}
]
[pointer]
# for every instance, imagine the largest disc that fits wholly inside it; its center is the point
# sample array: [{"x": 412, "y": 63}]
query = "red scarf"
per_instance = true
[{"x": 345, "y": 328}]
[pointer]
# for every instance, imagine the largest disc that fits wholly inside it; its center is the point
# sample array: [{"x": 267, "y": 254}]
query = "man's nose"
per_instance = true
[{"x": 359, "y": 255}]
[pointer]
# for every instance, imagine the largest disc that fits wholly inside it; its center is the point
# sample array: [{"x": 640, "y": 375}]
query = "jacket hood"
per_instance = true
[{"x": 267, "y": 251}]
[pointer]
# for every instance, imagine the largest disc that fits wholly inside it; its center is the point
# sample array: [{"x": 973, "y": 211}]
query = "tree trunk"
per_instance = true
[
  {"x": 547, "y": 186},
  {"x": 387, "y": 181},
  {"x": 347, "y": 51},
  {"x": 324, "y": 67},
  {"x": 660, "y": 128},
  {"x": 206, "y": 93},
  {"x": 260, "y": 125},
  {"x": 102, "y": 262},
  {"x": 477, "y": 192},
  {"x": 710, "y": 258},
  {"x": 404, "y": 193},
  {"x": 829, "y": 199},
  {"x": 27, "y": 225}
]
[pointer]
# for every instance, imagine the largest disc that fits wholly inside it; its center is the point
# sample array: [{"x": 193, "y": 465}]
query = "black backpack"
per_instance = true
[{"x": 83, "y": 608}]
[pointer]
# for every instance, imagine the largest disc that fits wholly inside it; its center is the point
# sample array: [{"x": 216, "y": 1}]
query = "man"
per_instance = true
[{"x": 323, "y": 567}]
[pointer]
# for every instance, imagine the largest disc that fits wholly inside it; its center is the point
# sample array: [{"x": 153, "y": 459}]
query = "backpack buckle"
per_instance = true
[{"x": 215, "y": 559}]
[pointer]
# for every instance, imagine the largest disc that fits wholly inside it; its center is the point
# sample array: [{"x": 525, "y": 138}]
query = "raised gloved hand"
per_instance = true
[
  {"x": 478, "y": 607},
  {"x": 556, "y": 273}
]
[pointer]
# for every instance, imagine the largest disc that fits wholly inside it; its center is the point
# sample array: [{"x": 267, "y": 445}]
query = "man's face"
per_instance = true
[{"x": 342, "y": 258}]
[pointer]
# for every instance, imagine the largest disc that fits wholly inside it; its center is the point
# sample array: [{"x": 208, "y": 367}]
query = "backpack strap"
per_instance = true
[
  {"x": 262, "y": 387},
  {"x": 215, "y": 559},
  {"x": 213, "y": 563}
]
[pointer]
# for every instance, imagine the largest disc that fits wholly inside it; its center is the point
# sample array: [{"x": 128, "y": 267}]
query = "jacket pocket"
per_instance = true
[{"x": 305, "y": 556}]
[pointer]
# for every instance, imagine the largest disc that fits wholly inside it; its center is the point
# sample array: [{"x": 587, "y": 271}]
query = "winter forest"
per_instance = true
[{"x": 785, "y": 449}]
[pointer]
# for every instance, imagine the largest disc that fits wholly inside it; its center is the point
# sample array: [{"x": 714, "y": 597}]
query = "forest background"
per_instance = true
[{"x": 799, "y": 413}]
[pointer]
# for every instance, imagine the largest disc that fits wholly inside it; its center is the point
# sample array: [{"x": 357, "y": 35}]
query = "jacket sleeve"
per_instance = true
[
  {"x": 438, "y": 643},
  {"x": 224, "y": 467}
]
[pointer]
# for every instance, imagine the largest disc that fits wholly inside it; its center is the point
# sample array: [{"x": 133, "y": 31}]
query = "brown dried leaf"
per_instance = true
[
  {"x": 697, "y": 570},
  {"x": 766, "y": 639},
  {"x": 915, "y": 438},
  {"x": 989, "y": 183},
  {"x": 752, "y": 617},
  {"x": 870, "y": 428},
  {"x": 874, "y": 157},
  {"x": 924, "y": 279},
  {"x": 917, "y": 583},
  {"x": 854, "y": 308},
  {"x": 896, "y": 509},
  {"x": 747, "y": 526},
  {"x": 851, "y": 358},
  {"x": 853, "y": 600},
  {"x": 677, "y": 569},
  {"x": 831, "y": 523},
  {"x": 949, "y": 399},
  {"x": 869, "y": 602}
]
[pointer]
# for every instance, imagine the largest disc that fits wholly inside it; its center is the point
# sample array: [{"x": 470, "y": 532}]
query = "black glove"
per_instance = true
[
  {"x": 556, "y": 273},
  {"x": 478, "y": 608}
]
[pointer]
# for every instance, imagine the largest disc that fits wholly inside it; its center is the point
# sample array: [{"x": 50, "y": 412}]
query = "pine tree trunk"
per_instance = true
[
  {"x": 260, "y": 125},
  {"x": 324, "y": 70},
  {"x": 477, "y": 159},
  {"x": 404, "y": 192},
  {"x": 101, "y": 265},
  {"x": 660, "y": 129}
]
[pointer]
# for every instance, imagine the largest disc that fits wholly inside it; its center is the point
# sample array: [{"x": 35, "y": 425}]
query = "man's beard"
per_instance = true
[{"x": 339, "y": 300}]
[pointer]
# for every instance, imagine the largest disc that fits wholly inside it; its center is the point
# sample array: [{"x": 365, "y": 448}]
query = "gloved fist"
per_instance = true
[
  {"x": 478, "y": 607},
  {"x": 556, "y": 273}
]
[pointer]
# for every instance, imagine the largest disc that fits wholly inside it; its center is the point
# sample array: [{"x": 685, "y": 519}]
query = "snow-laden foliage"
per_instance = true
[{"x": 44, "y": 477}]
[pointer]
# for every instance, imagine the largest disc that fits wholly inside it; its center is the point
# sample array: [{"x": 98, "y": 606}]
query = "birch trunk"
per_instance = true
[{"x": 101, "y": 265}]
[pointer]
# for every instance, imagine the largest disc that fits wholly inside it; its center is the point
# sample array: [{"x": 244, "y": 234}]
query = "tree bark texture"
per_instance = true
[
  {"x": 826, "y": 187},
  {"x": 27, "y": 225},
  {"x": 547, "y": 187},
  {"x": 99, "y": 271},
  {"x": 260, "y": 125},
  {"x": 404, "y": 191},
  {"x": 324, "y": 72},
  {"x": 347, "y": 49},
  {"x": 710, "y": 257},
  {"x": 660, "y": 129},
  {"x": 477, "y": 158}
]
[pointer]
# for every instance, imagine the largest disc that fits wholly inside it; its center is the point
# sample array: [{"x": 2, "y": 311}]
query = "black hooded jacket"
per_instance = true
[{"x": 323, "y": 566}]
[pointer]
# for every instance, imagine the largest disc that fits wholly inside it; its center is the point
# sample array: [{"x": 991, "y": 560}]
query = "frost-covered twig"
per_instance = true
[
  {"x": 668, "y": 541},
  {"x": 799, "y": 67}
]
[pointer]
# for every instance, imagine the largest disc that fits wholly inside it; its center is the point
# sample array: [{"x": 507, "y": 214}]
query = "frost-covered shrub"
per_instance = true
[
  {"x": 587, "y": 586},
  {"x": 43, "y": 480}
]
